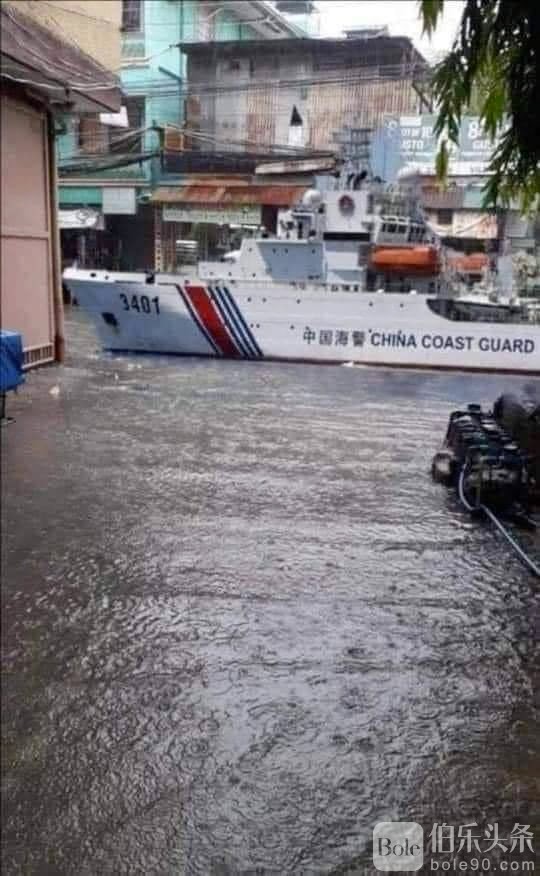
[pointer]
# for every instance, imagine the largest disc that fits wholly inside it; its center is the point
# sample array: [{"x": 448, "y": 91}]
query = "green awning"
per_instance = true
[{"x": 80, "y": 196}]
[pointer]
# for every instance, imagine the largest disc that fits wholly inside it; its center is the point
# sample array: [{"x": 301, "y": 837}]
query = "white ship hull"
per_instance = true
[{"x": 314, "y": 322}]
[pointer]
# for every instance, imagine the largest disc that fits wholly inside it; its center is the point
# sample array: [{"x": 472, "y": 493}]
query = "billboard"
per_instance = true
[{"x": 407, "y": 144}]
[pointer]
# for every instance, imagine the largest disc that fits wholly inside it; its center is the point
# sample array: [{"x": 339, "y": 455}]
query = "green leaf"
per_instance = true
[
  {"x": 441, "y": 163},
  {"x": 430, "y": 10},
  {"x": 494, "y": 105},
  {"x": 492, "y": 70}
]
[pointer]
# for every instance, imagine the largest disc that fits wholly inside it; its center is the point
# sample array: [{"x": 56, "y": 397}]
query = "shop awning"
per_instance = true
[
  {"x": 221, "y": 195},
  {"x": 35, "y": 58}
]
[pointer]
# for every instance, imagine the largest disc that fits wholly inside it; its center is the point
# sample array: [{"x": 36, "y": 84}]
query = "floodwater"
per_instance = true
[{"x": 241, "y": 625}]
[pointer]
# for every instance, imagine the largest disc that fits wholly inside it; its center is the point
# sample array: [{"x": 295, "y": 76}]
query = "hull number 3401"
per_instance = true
[{"x": 140, "y": 303}]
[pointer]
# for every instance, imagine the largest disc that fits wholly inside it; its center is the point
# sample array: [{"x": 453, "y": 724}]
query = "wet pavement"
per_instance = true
[{"x": 241, "y": 625}]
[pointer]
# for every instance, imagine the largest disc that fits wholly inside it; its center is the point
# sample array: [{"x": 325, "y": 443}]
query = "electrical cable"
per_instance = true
[
  {"x": 387, "y": 73},
  {"x": 83, "y": 167},
  {"x": 61, "y": 62},
  {"x": 531, "y": 565},
  {"x": 155, "y": 92},
  {"x": 535, "y": 569},
  {"x": 278, "y": 150}
]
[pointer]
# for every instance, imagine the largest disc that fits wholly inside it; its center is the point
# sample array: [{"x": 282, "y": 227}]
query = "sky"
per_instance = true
[{"x": 401, "y": 16}]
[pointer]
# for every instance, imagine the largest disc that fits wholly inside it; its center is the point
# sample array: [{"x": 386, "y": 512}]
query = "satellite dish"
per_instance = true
[{"x": 312, "y": 199}]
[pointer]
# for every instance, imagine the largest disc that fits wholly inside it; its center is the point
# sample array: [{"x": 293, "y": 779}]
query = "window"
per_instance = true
[
  {"x": 445, "y": 217},
  {"x": 296, "y": 129},
  {"x": 118, "y": 140},
  {"x": 131, "y": 16}
]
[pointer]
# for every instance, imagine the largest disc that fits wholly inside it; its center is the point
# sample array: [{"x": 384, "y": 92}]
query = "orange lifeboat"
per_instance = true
[
  {"x": 474, "y": 263},
  {"x": 405, "y": 260}
]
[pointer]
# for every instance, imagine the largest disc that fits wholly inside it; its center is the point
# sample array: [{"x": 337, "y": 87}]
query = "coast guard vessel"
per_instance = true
[{"x": 353, "y": 275}]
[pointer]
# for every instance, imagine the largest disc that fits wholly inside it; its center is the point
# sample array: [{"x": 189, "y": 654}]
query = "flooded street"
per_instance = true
[{"x": 241, "y": 624}]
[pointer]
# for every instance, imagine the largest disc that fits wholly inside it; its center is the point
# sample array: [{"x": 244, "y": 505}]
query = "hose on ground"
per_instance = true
[{"x": 531, "y": 565}]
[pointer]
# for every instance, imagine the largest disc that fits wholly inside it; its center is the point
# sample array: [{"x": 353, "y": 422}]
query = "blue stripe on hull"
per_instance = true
[
  {"x": 243, "y": 323},
  {"x": 241, "y": 336}
]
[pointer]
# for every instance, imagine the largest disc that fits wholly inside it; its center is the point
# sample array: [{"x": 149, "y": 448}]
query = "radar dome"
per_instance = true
[{"x": 312, "y": 199}]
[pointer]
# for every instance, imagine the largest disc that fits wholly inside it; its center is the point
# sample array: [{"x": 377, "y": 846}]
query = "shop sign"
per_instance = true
[
  {"x": 81, "y": 218},
  {"x": 119, "y": 200},
  {"x": 247, "y": 215}
]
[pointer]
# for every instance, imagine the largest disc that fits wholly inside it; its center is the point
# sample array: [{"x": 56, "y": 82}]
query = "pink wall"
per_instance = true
[{"x": 26, "y": 257}]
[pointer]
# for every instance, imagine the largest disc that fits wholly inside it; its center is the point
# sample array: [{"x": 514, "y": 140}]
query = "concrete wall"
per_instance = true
[
  {"x": 92, "y": 25},
  {"x": 30, "y": 289},
  {"x": 27, "y": 236}
]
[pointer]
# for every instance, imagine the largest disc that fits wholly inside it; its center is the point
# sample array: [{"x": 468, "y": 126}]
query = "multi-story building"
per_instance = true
[
  {"x": 300, "y": 92},
  {"x": 111, "y": 165},
  {"x": 55, "y": 56},
  {"x": 276, "y": 110}
]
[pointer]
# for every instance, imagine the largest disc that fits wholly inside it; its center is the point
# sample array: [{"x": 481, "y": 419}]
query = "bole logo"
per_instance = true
[{"x": 398, "y": 845}]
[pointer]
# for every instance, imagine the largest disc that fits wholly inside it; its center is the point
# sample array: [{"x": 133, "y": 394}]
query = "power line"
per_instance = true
[
  {"x": 73, "y": 11},
  {"x": 94, "y": 165},
  {"x": 86, "y": 84},
  {"x": 278, "y": 149},
  {"x": 386, "y": 73},
  {"x": 152, "y": 90},
  {"x": 103, "y": 138}
]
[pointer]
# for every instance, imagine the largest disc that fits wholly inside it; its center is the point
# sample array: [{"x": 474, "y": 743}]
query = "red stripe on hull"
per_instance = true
[{"x": 211, "y": 320}]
